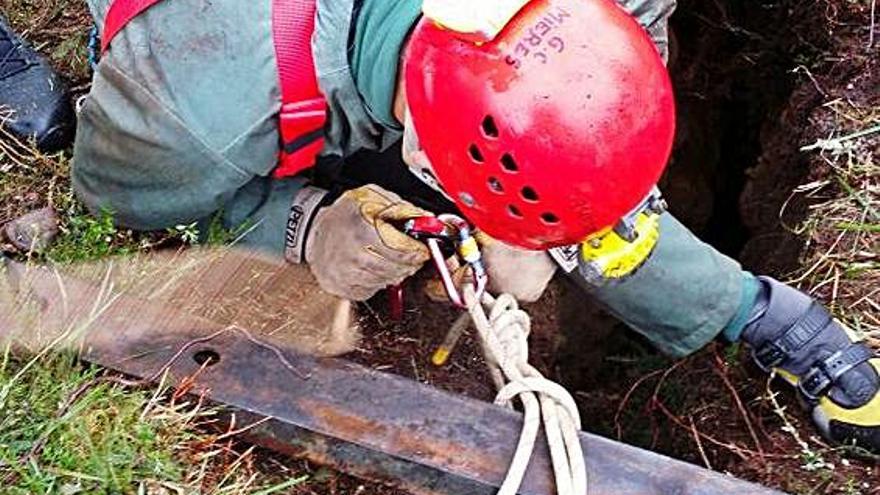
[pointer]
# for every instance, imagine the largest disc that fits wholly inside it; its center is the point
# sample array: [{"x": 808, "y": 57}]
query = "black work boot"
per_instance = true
[
  {"x": 33, "y": 95},
  {"x": 837, "y": 376}
]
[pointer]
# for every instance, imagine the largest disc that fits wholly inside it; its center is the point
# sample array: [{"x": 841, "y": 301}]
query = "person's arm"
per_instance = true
[{"x": 259, "y": 213}]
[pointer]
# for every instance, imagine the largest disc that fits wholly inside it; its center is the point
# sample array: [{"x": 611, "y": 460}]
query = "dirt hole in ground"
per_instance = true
[
  {"x": 735, "y": 163},
  {"x": 735, "y": 159},
  {"x": 731, "y": 64}
]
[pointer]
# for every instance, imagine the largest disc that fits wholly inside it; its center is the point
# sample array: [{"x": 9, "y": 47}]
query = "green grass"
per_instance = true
[
  {"x": 85, "y": 237},
  {"x": 64, "y": 429},
  {"x": 100, "y": 442}
]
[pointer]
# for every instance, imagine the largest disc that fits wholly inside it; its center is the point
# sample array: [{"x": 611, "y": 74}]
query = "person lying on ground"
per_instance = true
[{"x": 539, "y": 131}]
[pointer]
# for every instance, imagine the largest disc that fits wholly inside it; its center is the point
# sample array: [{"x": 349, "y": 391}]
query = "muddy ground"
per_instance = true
[{"x": 755, "y": 82}]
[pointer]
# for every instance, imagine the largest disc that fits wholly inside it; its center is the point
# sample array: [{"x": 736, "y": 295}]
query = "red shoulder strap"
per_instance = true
[
  {"x": 293, "y": 22},
  {"x": 303, "y": 109},
  {"x": 119, "y": 14}
]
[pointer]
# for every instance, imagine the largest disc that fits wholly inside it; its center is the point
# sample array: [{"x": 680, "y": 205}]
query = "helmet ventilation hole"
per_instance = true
[
  {"x": 529, "y": 194},
  {"x": 495, "y": 185},
  {"x": 549, "y": 218},
  {"x": 509, "y": 164},
  {"x": 490, "y": 130},
  {"x": 514, "y": 211},
  {"x": 476, "y": 154}
]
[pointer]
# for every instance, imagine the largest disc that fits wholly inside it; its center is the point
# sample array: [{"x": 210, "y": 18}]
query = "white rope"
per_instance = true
[{"x": 504, "y": 335}]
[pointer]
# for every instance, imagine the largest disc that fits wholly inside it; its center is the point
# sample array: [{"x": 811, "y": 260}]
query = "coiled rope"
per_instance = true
[{"x": 504, "y": 335}]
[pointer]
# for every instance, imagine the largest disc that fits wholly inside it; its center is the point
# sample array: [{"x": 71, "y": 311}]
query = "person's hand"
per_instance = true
[
  {"x": 354, "y": 247},
  {"x": 519, "y": 272}
]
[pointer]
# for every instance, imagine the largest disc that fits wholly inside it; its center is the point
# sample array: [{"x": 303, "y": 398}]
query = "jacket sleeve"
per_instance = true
[
  {"x": 684, "y": 295},
  {"x": 259, "y": 214},
  {"x": 182, "y": 122},
  {"x": 136, "y": 160}
]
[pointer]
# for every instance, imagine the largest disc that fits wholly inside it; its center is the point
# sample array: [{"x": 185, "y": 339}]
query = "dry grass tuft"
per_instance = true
[
  {"x": 29, "y": 179},
  {"x": 59, "y": 29},
  {"x": 842, "y": 260}
]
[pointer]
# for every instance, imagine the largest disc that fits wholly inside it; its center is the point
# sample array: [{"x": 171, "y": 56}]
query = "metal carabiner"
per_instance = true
[
  {"x": 434, "y": 232},
  {"x": 469, "y": 251}
]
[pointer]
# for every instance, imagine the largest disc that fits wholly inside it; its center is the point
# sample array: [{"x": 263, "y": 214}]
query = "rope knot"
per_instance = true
[
  {"x": 511, "y": 327},
  {"x": 504, "y": 335}
]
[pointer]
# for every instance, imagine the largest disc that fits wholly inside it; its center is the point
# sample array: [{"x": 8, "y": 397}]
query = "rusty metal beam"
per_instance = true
[{"x": 374, "y": 425}]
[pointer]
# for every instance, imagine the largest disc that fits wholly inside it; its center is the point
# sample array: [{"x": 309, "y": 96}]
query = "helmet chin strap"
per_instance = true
[{"x": 416, "y": 159}]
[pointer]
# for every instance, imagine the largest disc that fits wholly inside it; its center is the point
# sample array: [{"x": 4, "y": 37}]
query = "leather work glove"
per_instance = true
[
  {"x": 353, "y": 246},
  {"x": 522, "y": 273}
]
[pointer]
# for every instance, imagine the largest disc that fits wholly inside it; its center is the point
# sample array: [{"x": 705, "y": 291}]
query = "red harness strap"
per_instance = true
[
  {"x": 303, "y": 108},
  {"x": 119, "y": 14}
]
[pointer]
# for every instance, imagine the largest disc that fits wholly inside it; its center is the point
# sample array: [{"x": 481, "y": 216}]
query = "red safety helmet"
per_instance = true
[{"x": 551, "y": 131}]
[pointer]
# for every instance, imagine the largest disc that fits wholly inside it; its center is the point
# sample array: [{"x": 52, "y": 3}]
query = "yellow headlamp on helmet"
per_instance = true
[{"x": 617, "y": 252}]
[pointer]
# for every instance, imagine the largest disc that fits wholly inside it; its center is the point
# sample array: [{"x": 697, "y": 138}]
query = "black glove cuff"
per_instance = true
[{"x": 303, "y": 211}]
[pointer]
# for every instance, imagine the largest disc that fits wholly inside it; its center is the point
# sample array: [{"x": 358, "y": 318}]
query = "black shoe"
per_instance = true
[
  {"x": 837, "y": 375},
  {"x": 35, "y": 95}
]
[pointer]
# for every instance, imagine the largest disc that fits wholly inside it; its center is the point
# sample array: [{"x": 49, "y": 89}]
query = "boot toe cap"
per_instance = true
[
  {"x": 851, "y": 425},
  {"x": 38, "y": 103},
  {"x": 50, "y": 123}
]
